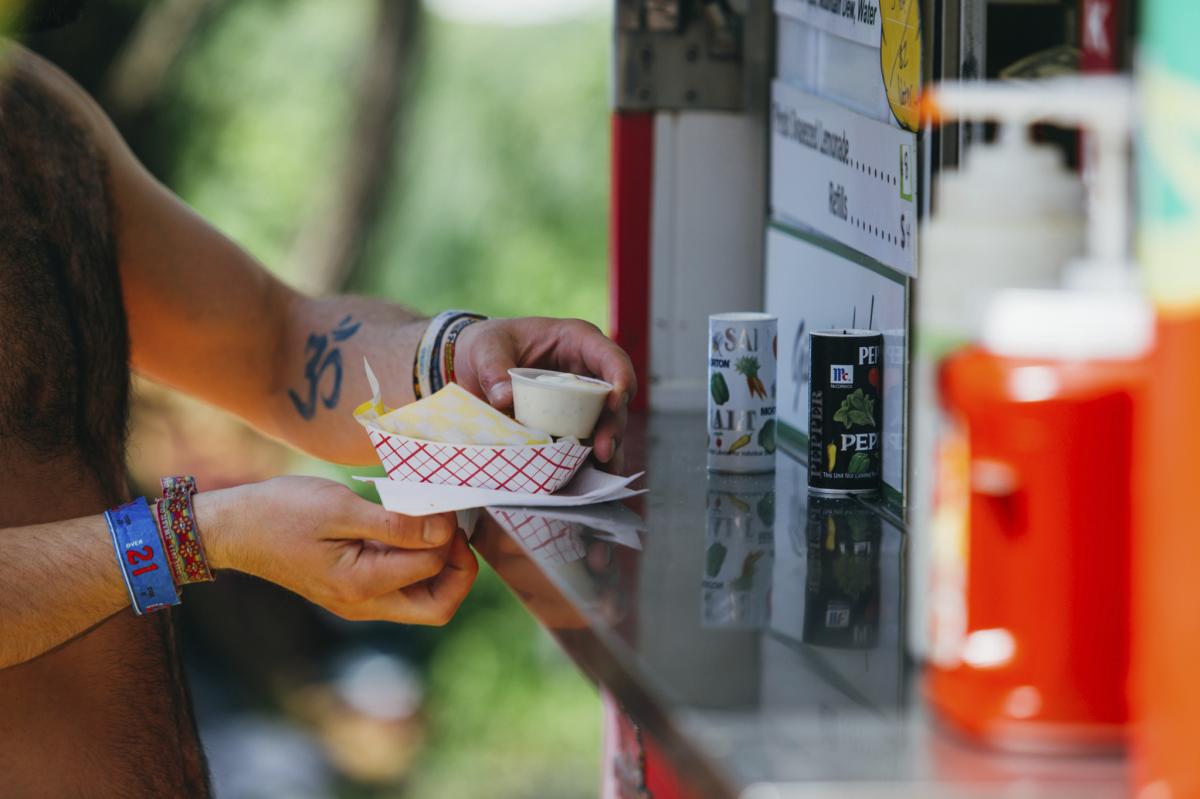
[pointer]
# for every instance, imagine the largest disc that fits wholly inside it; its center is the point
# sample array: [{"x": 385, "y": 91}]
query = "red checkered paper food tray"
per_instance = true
[
  {"x": 539, "y": 469},
  {"x": 555, "y": 541}
]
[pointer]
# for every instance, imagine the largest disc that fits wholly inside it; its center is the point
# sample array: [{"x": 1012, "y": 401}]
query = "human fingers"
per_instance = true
[
  {"x": 363, "y": 519},
  {"x": 602, "y": 357},
  {"x": 610, "y": 431},
  {"x": 369, "y": 572},
  {"x": 434, "y": 601},
  {"x": 491, "y": 353},
  {"x": 616, "y": 464}
]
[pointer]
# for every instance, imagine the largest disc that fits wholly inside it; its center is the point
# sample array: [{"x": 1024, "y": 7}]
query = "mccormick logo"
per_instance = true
[{"x": 841, "y": 375}]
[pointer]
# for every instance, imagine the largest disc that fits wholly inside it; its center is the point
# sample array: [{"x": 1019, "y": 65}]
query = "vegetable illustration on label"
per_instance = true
[
  {"x": 831, "y": 451},
  {"x": 749, "y": 366},
  {"x": 766, "y": 436},
  {"x": 719, "y": 388},
  {"x": 746, "y": 578},
  {"x": 856, "y": 409},
  {"x": 714, "y": 557},
  {"x": 853, "y": 573},
  {"x": 766, "y": 509},
  {"x": 859, "y": 463},
  {"x": 741, "y": 442}
]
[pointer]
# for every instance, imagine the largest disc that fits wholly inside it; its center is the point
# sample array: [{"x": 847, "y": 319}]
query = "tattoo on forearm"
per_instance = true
[{"x": 322, "y": 359}]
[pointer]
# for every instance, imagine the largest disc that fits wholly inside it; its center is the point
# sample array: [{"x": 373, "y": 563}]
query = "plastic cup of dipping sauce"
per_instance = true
[{"x": 558, "y": 403}]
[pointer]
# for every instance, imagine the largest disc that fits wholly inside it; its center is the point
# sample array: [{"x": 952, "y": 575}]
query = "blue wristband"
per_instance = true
[{"x": 140, "y": 552}]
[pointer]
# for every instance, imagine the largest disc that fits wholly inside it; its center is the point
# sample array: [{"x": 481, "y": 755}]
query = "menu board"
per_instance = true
[
  {"x": 856, "y": 20},
  {"x": 890, "y": 28},
  {"x": 845, "y": 175}
]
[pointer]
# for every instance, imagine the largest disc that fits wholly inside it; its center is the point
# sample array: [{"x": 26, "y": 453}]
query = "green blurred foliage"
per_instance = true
[
  {"x": 510, "y": 718},
  {"x": 499, "y": 196},
  {"x": 498, "y": 203},
  {"x": 500, "y": 200},
  {"x": 258, "y": 111}
]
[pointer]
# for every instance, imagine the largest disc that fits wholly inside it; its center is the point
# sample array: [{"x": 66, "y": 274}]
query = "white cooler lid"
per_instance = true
[{"x": 1075, "y": 325}]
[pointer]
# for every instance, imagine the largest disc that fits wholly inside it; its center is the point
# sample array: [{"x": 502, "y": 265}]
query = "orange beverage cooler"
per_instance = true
[
  {"x": 1030, "y": 582},
  {"x": 1166, "y": 691}
]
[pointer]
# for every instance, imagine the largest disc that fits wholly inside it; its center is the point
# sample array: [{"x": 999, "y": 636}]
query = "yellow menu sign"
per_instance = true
[{"x": 900, "y": 58}]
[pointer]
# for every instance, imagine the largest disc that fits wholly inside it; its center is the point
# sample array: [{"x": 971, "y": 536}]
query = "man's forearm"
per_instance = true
[
  {"x": 60, "y": 579},
  {"x": 56, "y": 580},
  {"x": 320, "y": 379},
  {"x": 312, "y": 536}
]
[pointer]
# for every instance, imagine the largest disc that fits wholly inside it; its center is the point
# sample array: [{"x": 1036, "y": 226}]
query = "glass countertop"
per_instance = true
[{"x": 758, "y": 634}]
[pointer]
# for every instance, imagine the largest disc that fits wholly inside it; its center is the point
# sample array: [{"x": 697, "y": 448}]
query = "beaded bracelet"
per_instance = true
[
  {"x": 433, "y": 363},
  {"x": 180, "y": 533},
  {"x": 140, "y": 552},
  {"x": 448, "y": 346}
]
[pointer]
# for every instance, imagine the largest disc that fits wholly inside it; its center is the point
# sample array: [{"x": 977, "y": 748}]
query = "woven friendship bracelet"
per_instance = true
[
  {"x": 168, "y": 542},
  {"x": 177, "y": 523},
  {"x": 430, "y": 372}
]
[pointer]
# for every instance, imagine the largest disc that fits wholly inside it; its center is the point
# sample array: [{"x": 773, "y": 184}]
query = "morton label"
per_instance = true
[{"x": 845, "y": 411}]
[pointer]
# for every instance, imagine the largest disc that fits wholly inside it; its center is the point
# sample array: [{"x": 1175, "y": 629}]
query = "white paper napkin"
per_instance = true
[
  {"x": 590, "y": 486},
  {"x": 611, "y": 521}
]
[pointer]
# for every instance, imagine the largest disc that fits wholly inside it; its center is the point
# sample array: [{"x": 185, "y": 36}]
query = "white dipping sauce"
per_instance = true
[
  {"x": 559, "y": 403},
  {"x": 562, "y": 379}
]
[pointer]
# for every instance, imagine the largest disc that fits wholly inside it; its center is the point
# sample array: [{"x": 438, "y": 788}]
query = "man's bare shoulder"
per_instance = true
[
  {"x": 66, "y": 350},
  {"x": 20, "y": 65}
]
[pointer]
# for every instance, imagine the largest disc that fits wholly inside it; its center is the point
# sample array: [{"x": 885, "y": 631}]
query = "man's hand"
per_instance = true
[
  {"x": 487, "y": 350},
  {"x": 352, "y": 557}
]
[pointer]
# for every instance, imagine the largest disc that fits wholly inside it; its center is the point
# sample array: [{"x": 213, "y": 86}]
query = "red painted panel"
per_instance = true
[
  {"x": 629, "y": 241},
  {"x": 1099, "y": 28}
]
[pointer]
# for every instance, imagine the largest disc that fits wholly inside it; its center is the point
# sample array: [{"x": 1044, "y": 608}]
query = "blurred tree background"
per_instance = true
[{"x": 431, "y": 155}]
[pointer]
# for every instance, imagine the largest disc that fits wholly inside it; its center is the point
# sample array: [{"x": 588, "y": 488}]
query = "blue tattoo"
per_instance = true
[
  {"x": 345, "y": 330},
  {"x": 319, "y": 362}
]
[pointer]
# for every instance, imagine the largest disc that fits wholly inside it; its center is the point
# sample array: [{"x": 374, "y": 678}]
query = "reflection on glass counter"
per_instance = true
[
  {"x": 542, "y": 553},
  {"x": 842, "y": 588},
  {"x": 553, "y": 541},
  {"x": 756, "y": 632},
  {"x": 837, "y": 604},
  {"x": 739, "y": 548},
  {"x": 796, "y": 601}
]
